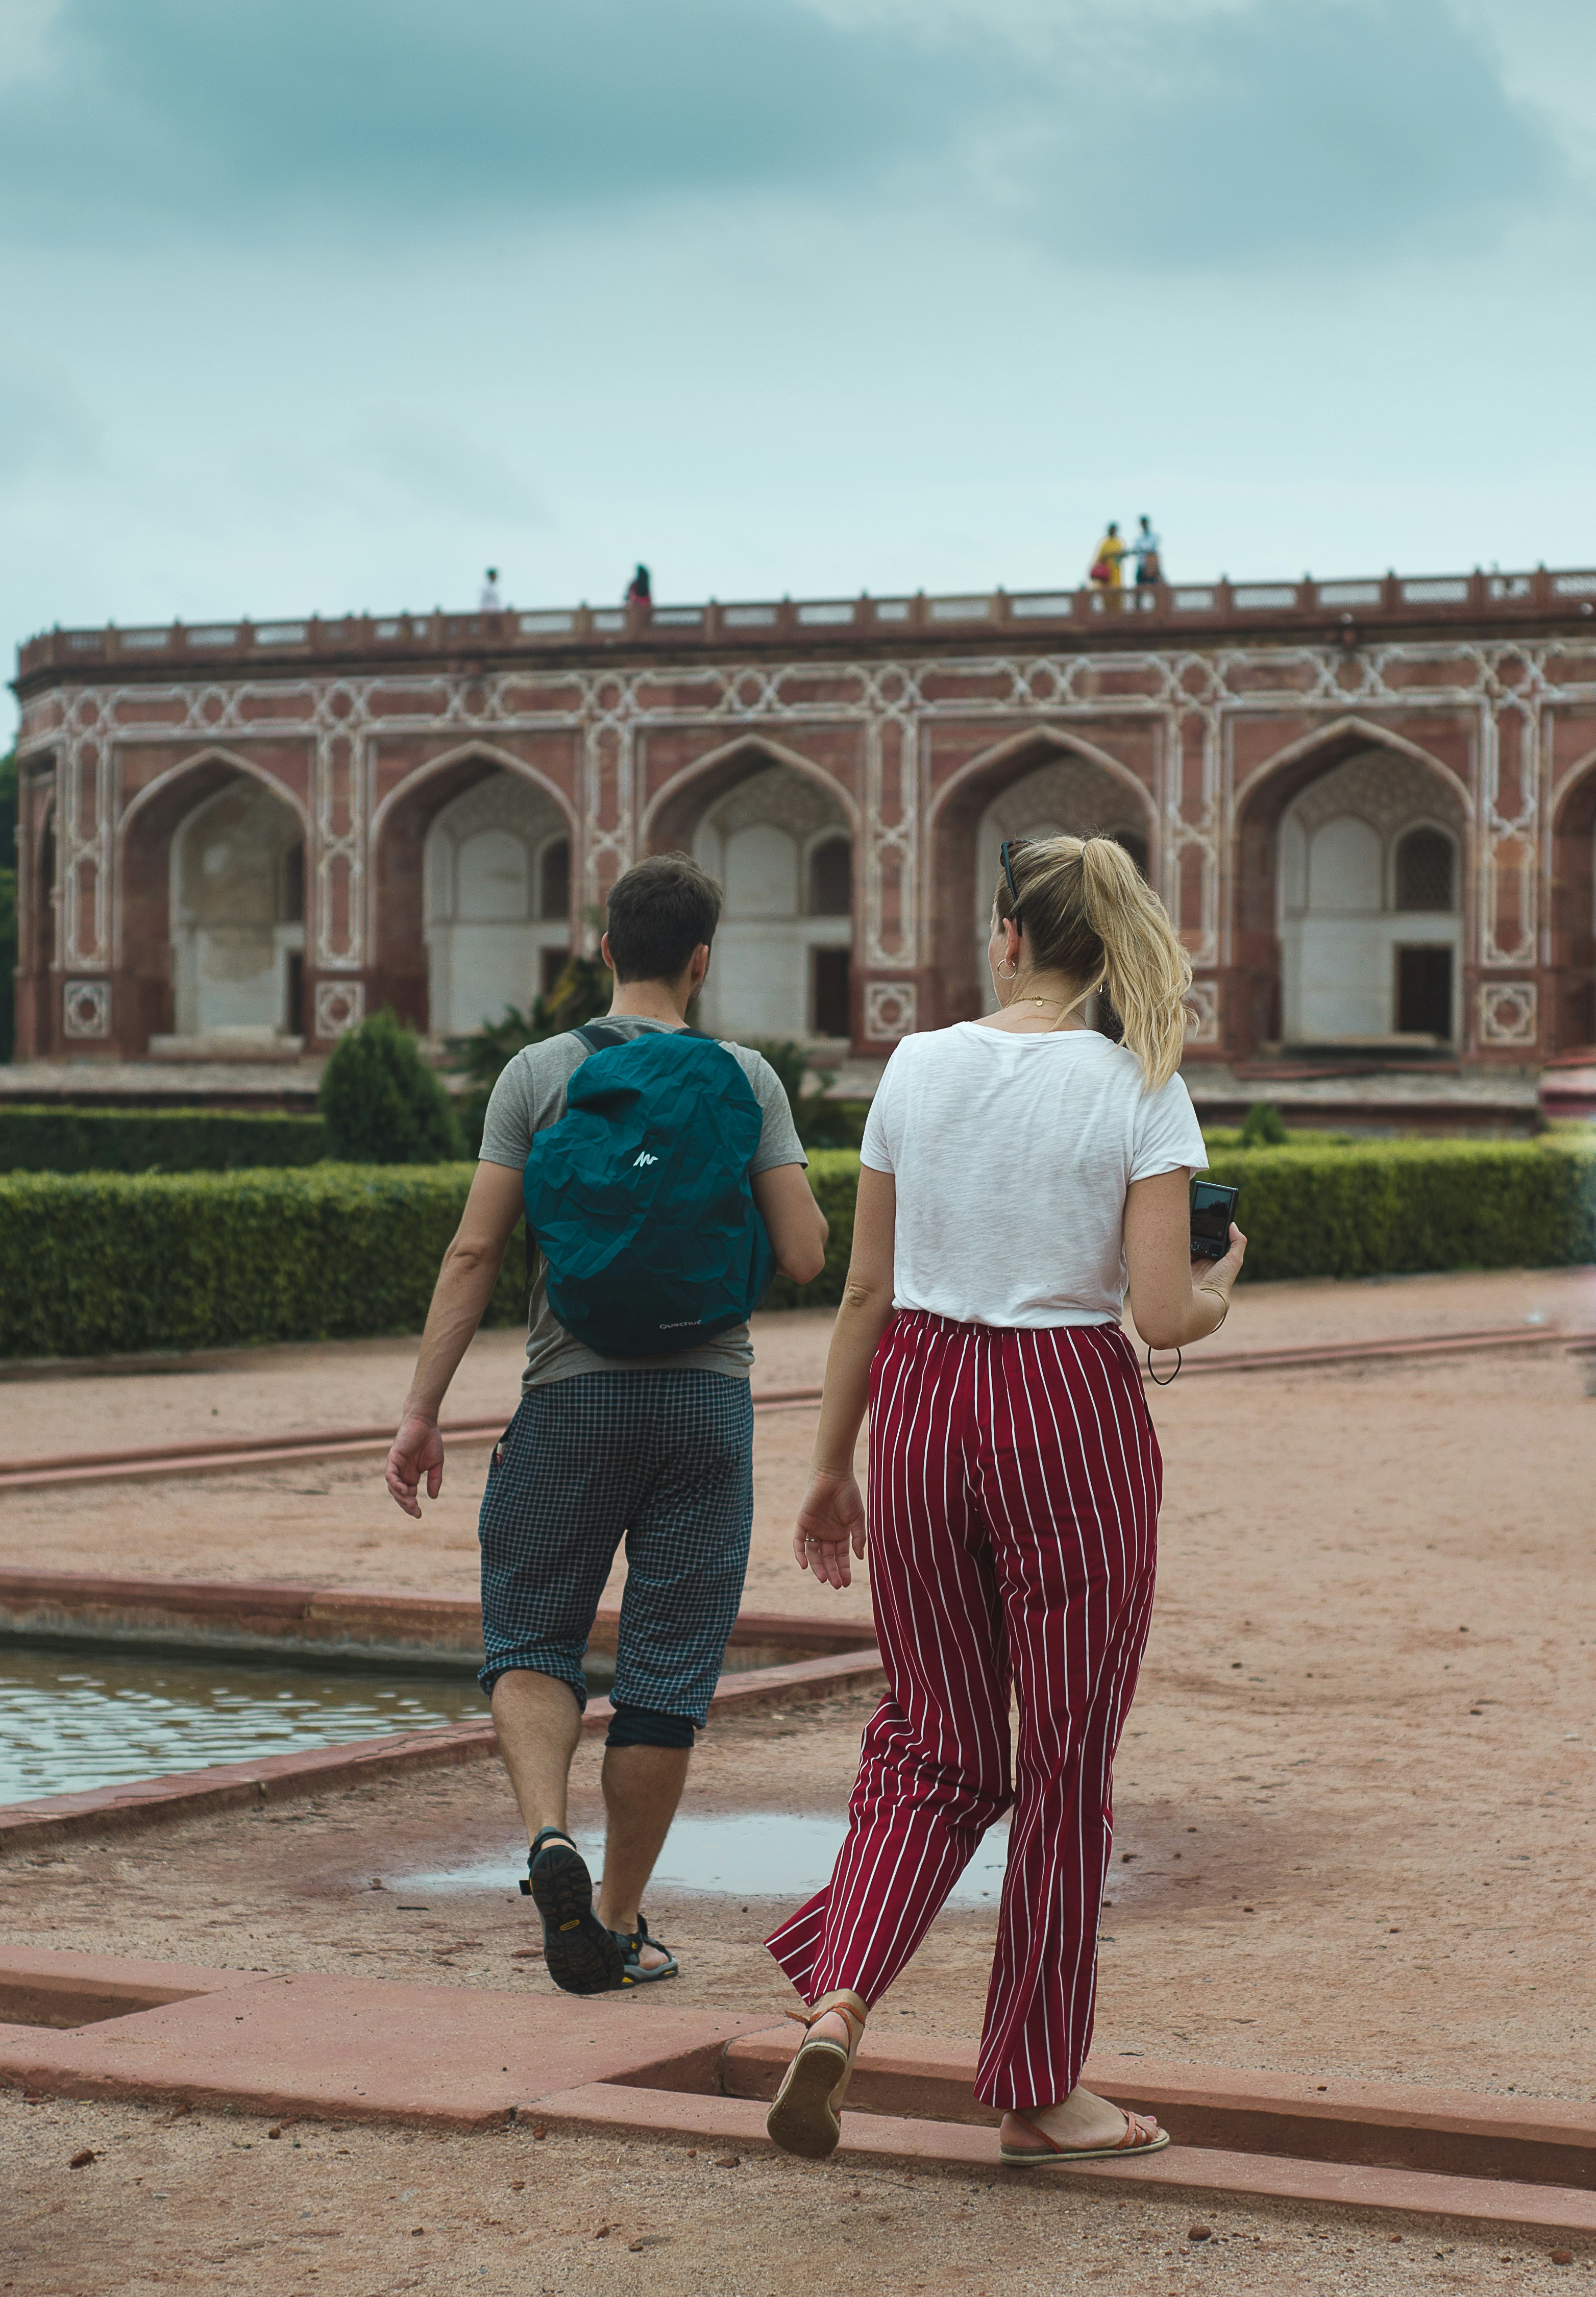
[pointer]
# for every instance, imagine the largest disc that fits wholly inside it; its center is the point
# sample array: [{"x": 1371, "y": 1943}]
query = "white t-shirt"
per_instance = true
[{"x": 1012, "y": 1155}]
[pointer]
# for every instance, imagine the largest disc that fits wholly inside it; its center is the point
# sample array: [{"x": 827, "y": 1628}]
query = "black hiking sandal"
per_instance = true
[
  {"x": 632, "y": 1944},
  {"x": 583, "y": 1957}
]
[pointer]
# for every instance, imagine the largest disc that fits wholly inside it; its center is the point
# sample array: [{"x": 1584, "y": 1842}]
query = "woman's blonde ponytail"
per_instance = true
[
  {"x": 1146, "y": 972},
  {"x": 1085, "y": 909}
]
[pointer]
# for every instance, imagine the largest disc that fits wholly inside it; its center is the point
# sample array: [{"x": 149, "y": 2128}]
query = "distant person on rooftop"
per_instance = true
[
  {"x": 1144, "y": 542},
  {"x": 491, "y": 603},
  {"x": 1105, "y": 563},
  {"x": 639, "y": 590}
]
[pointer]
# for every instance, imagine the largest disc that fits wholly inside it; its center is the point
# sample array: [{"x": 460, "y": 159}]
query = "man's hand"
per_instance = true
[
  {"x": 417, "y": 1450},
  {"x": 461, "y": 1295},
  {"x": 831, "y": 1518}
]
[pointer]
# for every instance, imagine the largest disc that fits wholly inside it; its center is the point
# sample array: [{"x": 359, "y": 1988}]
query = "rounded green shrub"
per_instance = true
[
  {"x": 382, "y": 1102},
  {"x": 1264, "y": 1127}
]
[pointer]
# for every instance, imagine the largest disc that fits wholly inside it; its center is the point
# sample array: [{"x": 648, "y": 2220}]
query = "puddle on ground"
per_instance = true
[
  {"x": 753, "y": 1854},
  {"x": 70, "y": 1721}
]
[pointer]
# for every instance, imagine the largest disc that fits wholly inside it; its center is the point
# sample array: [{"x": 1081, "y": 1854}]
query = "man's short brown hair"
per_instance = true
[{"x": 659, "y": 910}]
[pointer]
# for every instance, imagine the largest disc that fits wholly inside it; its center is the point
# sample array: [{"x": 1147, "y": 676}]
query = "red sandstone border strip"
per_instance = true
[
  {"x": 28, "y": 1473},
  {"x": 1342, "y": 1352},
  {"x": 344, "y": 2048},
  {"x": 620, "y": 2108},
  {"x": 269, "y": 1607},
  {"x": 1379, "y": 2124},
  {"x": 140, "y": 1803},
  {"x": 54, "y": 1469},
  {"x": 304, "y": 1617}
]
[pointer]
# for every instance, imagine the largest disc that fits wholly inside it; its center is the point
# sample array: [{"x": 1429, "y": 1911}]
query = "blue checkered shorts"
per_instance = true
[{"x": 664, "y": 1458}]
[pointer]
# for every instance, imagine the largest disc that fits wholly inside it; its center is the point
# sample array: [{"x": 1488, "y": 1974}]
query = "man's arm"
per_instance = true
[
  {"x": 795, "y": 1224},
  {"x": 460, "y": 1298}
]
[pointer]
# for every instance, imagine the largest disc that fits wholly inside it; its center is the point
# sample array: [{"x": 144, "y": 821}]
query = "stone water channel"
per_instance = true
[{"x": 76, "y": 1718}]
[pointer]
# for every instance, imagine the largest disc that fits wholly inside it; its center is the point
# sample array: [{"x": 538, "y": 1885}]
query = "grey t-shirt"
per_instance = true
[{"x": 530, "y": 1095}]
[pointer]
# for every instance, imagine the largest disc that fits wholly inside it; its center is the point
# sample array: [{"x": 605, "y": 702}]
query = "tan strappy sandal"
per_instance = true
[
  {"x": 806, "y": 2116},
  {"x": 1142, "y": 2135}
]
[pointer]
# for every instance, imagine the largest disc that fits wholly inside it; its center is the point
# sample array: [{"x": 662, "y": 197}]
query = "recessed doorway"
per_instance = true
[
  {"x": 1424, "y": 992},
  {"x": 829, "y": 1016}
]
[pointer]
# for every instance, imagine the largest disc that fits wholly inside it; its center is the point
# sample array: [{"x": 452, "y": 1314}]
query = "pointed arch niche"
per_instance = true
[
  {"x": 498, "y": 871},
  {"x": 238, "y": 918},
  {"x": 1369, "y": 877},
  {"x": 212, "y": 911},
  {"x": 472, "y": 875},
  {"x": 1574, "y": 913},
  {"x": 1041, "y": 785},
  {"x": 778, "y": 838}
]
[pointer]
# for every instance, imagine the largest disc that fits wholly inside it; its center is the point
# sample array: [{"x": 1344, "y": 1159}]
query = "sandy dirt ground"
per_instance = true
[
  {"x": 172, "y": 2205},
  {"x": 331, "y": 1522},
  {"x": 171, "y": 2202},
  {"x": 1355, "y": 1800},
  {"x": 1363, "y": 1956}
]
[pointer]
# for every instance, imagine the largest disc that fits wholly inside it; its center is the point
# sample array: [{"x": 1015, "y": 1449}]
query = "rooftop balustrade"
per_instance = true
[{"x": 1312, "y": 610}]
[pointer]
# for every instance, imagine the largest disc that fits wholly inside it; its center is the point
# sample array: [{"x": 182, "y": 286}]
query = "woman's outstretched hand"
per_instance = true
[{"x": 830, "y": 1521}]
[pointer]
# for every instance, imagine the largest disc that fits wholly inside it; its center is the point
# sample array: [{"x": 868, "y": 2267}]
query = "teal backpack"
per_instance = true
[{"x": 639, "y": 1196}]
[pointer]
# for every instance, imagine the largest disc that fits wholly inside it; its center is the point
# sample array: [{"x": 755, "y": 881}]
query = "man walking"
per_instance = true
[{"x": 657, "y": 1446}]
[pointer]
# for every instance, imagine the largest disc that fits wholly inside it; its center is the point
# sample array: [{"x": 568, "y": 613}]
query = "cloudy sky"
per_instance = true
[{"x": 325, "y": 304}]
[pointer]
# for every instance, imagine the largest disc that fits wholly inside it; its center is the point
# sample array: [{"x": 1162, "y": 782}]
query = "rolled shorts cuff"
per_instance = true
[{"x": 535, "y": 1658}]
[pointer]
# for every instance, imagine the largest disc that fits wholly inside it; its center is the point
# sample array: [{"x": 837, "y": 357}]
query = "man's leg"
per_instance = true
[
  {"x": 641, "y": 1786},
  {"x": 687, "y": 1552},
  {"x": 538, "y": 1724},
  {"x": 557, "y": 1493}
]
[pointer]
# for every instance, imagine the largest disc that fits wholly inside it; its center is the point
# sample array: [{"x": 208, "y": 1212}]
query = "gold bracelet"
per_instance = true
[{"x": 1224, "y": 1307}]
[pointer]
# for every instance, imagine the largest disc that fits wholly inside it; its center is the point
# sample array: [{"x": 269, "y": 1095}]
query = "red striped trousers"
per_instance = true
[{"x": 1014, "y": 1490}]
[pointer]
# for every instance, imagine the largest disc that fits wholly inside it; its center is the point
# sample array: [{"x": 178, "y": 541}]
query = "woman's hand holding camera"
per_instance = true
[{"x": 1217, "y": 1278}]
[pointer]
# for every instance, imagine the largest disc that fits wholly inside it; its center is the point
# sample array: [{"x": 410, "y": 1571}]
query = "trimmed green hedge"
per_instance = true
[
  {"x": 1227, "y": 1137},
  {"x": 47, "y": 1139},
  {"x": 1402, "y": 1207},
  {"x": 834, "y": 1176},
  {"x": 107, "y": 1264}
]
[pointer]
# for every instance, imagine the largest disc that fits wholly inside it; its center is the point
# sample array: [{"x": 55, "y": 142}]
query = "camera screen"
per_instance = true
[{"x": 1211, "y": 1209}]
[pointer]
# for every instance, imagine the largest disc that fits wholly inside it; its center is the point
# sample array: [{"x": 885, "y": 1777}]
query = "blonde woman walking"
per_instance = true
[{"x": 1017, "y": 1172}]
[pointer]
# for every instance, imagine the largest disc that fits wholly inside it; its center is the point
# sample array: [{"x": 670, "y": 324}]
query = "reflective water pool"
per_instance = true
[
  {"x": 752, "y": 1854},
  {"x": 69, "y": 1720}
]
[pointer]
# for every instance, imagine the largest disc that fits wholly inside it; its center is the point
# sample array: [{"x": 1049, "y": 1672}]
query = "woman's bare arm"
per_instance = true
[
  {"x": 832, "y": 1516},
  {"x": 1175, "y": 1299}
]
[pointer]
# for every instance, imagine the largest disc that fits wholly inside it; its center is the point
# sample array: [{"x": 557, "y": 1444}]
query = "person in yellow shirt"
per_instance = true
[{"x": 1106, "y": 563}]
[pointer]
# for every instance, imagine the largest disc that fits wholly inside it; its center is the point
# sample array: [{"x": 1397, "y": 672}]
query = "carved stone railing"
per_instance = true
[{"x": 1315, "y": 610}]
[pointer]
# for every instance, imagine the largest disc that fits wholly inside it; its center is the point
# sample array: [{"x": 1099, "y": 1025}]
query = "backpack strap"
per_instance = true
[
  {"x": 597, "y": 1038},
  {"x": 597, "y": 1035}
]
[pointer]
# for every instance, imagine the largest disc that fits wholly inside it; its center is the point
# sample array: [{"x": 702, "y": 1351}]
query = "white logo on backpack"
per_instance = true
[{"x": 643, "y": 1158}]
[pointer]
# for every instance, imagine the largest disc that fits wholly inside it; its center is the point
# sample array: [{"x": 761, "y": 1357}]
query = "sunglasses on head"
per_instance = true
[{"x": 1011, "y": 846}]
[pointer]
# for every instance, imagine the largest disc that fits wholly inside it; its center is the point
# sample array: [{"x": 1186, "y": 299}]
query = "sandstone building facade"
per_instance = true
[{"x": 1369, "y": 804}]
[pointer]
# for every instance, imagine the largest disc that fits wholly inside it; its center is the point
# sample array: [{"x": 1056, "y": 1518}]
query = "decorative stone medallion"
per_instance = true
[{"x": 86, "y": 1009}]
